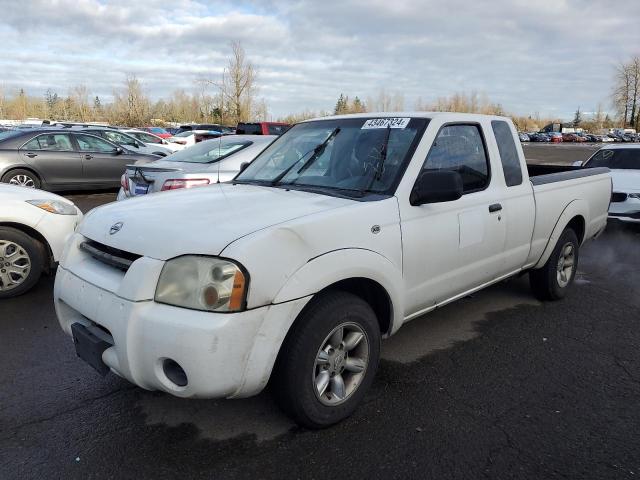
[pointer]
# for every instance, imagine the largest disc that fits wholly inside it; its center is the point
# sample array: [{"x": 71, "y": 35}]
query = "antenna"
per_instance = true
[{"x": 219, "y": 153}]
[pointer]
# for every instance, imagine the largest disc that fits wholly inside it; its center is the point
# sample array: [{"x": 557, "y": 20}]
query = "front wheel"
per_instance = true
[
  {"x": 328, "y": 361},
  {"x": 21, "y": 262},
  {"x": 552, "y": 281}
]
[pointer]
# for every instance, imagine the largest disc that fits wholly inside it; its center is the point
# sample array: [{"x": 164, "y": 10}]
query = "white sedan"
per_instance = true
[
  {"x": 152, "y": 140},
  {"x": 624, "y": 162},
  {"x": 34, "y": 226}
]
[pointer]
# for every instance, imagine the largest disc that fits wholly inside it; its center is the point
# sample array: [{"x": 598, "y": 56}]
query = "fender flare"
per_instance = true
[
  {"x": 576, "y": 208},
  {"x": 331, "y": 267}
]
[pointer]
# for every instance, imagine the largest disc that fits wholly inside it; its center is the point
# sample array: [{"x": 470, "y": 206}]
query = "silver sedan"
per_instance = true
[{"x": 207, "y": 162}]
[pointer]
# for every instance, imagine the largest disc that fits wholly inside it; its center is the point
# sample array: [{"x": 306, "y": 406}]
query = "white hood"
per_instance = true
[
  {"x": 201, "y": 220},
  {"x": 626, "y": 181}
]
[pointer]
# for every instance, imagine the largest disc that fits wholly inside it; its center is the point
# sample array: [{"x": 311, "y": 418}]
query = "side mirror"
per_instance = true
[
  {"x": 436, "y": 186},
  {"x": 119, "y": 151},
  {"x": 577, "y": 163},
  {"x": 243, "y": 166}
]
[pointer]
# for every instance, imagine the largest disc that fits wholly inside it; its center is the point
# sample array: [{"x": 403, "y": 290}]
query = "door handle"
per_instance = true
[
  {"x": 31, "y": 155},
  {"x": 496, "y": 207},
  {"x": 88, "y": 157}
]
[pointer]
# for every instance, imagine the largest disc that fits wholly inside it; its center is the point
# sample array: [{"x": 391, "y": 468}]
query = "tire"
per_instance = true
[
  {"x": 28, "y": 255},
  {"x": 315, "y": 333},
  {"x": 548, "y": 282},
  {"x": 23, "y": 178}
]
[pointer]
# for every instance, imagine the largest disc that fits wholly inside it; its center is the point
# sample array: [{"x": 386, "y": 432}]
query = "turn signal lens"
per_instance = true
[{"x": 177, "y": 183}]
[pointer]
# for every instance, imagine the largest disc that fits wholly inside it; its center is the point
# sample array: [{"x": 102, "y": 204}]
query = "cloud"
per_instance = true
[{"x": 547, "y": 58}]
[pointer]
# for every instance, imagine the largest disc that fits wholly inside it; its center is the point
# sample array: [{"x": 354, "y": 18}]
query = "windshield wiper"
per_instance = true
[
  {"x": 317, "y": 152},
  {"x": 380, "y": 166}
]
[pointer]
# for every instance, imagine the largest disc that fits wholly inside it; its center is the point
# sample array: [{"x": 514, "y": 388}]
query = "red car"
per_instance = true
[
  {"x": 555, "y": 137},
  {"x": 262, "y": 128},
  {"x": 572, "y": 137},
  {"x": 160, "y": 132}
]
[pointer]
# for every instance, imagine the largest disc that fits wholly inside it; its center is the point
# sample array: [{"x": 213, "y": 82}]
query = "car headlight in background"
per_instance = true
[
  {"x": 55, "y": 206},
  {"x": 202, "y": 283}
]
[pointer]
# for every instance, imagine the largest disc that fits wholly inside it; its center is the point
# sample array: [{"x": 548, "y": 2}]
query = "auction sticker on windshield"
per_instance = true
[{"x": 394, "y": 122}]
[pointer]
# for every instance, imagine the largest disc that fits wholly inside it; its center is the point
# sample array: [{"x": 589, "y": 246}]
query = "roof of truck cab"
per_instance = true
[{"x": 469, "y": 117}]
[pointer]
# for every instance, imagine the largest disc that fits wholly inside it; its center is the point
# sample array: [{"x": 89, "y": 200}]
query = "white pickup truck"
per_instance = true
[{"x": 337, "y": 234}]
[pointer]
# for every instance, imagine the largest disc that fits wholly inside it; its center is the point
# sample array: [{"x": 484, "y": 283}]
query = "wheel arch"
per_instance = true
[
  {"x": 573, "y": 216},
  {"x": 29, "y": 168}
]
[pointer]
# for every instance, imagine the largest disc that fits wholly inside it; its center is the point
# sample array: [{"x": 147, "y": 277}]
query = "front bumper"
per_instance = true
[
  {"x": 627, "y": 210},
  {"x": 223, "y": 355}
]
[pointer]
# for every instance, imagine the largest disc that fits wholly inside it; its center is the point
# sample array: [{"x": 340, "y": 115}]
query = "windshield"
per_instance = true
[
  {"x": 208, "y": 151},
  {"x": 339, "y": 154},
  {"x": 616, "y": 158}
]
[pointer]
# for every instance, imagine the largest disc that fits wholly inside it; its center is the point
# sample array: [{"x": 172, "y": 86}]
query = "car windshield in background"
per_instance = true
[
  {"x": 209, "y": 151},
  {"x": 350, "y": 154},
  {"x": 616, "y": 158}
]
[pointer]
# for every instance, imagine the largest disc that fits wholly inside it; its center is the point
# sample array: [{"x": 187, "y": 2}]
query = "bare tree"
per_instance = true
[
  {"x": 130, "y": 106},
  {"x": 80, "y": 96},
  {"x": 238, "y": 86}
]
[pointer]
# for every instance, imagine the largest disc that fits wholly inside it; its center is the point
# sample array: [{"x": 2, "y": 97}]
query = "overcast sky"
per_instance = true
[{"x": 545, "y": 56}]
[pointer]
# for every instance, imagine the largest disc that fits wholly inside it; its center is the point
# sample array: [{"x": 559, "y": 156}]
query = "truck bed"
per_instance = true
[{"x": 543, "y": 174}]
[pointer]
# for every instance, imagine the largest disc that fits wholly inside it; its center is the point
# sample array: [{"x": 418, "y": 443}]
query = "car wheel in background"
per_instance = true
[
  {"x": 21, "y": 262},
  {"x": 328, "y": 360},
  {"x": 22, "y": 178},
  {"x": 552, "y": 281}
]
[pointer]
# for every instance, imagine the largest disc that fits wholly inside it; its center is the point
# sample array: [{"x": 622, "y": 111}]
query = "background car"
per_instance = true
[
  {"x": 523, "y": 137},
  {"x": 554, "y": 137},
  {"x": 211, "y": 161},
  {"x": 152, "y": 140},
  {"x": 128, "y": 142},
  {"x": 211, "y": 127},
  {"x": 624, "y": 163},
  {"x": 262, "y": 128},
  {"x": 191, "y": 137},
  {"x": 63, "y": 159},
  {"x": 34, "y": 226},
  {"x": 160, "y": 132}
]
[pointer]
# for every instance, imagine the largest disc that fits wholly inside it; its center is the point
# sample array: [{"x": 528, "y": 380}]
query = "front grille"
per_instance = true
[
  {"x": 618, "y": 197},
  {"x": 108, "y": 255}
]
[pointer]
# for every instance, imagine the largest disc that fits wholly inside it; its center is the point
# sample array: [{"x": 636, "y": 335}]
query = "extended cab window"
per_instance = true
[
  {"x": 55, "y": 141},
  {"x": 508, "y": 153},
  {"x": 460, "y": 148}
]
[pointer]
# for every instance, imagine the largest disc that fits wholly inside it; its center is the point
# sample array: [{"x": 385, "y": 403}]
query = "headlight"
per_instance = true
[
  {"x": 202, "y": 283},
  {"x": 55, "y": 206}
]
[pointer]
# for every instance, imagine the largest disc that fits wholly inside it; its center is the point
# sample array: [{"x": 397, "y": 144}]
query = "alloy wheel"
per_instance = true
[
  {"x": 341, "y": 363},
  {"x": 15, "y": 265}
]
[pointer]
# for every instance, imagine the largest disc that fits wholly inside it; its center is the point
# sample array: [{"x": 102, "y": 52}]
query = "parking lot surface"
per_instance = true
[{"x": 497, "y": 385}]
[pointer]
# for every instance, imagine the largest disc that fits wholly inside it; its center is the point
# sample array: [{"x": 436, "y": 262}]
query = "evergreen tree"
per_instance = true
[
  {"x": 341, "y": 105},
  {"x": 577, "y": 119}
]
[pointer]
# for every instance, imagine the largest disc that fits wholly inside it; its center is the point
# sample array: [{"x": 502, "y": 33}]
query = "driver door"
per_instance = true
[
  {"x": 103, "y": 163},
  {"x": 452, "y": 247}
]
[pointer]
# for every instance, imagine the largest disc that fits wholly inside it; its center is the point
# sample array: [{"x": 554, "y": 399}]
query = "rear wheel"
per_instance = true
[
  {"x": 328, "y": 361},
  {"x": 22, "y": 178},
  {"x": 552, "y": 281},
  {"x": 21, "y": 262}
]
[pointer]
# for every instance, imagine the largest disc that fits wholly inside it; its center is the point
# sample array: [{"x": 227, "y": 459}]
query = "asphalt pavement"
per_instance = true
[{"x": 497, "y": 385}]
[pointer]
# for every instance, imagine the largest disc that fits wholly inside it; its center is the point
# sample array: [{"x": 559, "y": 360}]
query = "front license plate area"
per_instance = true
[{"x": 89, "y": 347}]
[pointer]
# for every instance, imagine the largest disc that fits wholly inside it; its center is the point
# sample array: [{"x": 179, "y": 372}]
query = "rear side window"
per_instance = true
[
  {"x": 55, "y": 141},
  {"x": 460, "y": 148},
  {"x": 508, "y": 153},
  {"x": 89, "y": 143}
]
